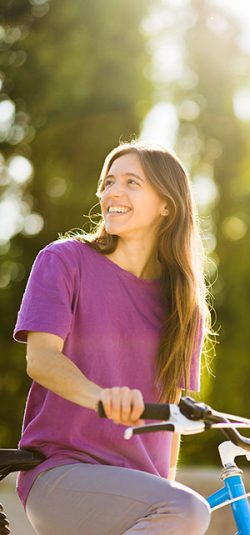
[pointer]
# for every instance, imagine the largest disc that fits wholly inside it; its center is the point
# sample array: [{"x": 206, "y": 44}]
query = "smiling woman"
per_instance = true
[
  {"x": 118, "y": 315},
  {"x": 158, "y": 237},
  {"x": 133, "y": 210}
]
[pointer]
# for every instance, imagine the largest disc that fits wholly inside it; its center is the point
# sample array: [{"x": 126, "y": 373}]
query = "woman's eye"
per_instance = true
[{"x": 107, "y": 183}]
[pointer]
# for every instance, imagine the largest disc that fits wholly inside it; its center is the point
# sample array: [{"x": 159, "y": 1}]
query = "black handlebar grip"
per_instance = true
[
  {"x": 152, "y": 411},
  {"x": 156, "y": 411}
]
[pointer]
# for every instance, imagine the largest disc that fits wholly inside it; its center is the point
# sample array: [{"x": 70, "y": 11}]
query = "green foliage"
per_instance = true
[
  {"x": 216, "y": 143},
  {"x": 82, "y": 86}
]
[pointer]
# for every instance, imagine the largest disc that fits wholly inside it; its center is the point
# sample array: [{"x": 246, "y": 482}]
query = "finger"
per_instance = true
[
  {"x": 134, "y": 423},
  {"x": 126, "y": 397},
  {"x": 105, "y": 398},
  {"x": 115, "y": 404},
  {"x": 139, "y": 422},
  {"x": 137, "y": 405}
]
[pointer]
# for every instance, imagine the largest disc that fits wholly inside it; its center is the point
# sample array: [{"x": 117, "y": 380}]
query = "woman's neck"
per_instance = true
[{"x": 137, "y": 258}]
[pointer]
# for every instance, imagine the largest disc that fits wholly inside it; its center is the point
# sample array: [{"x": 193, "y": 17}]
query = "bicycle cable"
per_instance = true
[
  {"x": 232, "y": 417},
  {"x": 231, "y": 425}
]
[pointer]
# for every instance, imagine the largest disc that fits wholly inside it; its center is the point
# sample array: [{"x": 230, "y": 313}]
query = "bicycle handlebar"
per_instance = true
[
  {"x": 152, "y": 411},
  {"x": 188, "y": 417}
]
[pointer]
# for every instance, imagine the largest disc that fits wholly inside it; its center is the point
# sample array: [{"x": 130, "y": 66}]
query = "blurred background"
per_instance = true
[{"x": 75, "y": 79}]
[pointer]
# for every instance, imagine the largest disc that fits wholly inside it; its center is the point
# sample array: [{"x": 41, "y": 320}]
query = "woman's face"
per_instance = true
[{"x": 129, "y": 203}]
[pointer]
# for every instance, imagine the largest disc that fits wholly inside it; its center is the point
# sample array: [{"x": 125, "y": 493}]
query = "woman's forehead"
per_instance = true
[{"x": 126, "y": 163}]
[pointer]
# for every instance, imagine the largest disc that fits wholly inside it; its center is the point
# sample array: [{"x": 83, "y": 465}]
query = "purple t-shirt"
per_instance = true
[{"x": 110, "y": 321}]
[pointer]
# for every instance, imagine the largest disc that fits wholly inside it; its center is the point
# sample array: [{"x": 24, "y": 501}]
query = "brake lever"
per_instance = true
[
  {"x": 177, "y": 422},
  {"x": 147, "y": 428}
]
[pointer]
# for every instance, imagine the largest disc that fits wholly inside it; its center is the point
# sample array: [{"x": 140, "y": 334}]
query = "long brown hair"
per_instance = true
[{"x": 181, "y": 254}]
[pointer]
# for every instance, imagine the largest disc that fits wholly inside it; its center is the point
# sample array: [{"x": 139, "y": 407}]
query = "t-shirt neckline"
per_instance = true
[{"x": 127, "y": 274}]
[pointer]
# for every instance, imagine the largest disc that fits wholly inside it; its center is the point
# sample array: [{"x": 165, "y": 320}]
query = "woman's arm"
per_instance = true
[
  {"x": 175, "y": 446},
  {"x": 48, "y": 366}
]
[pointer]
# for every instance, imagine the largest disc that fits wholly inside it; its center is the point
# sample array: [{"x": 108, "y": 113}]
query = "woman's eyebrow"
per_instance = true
[{"x": 127, "y": 174}]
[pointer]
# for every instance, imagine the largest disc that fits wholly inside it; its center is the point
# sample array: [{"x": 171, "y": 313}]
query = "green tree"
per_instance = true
[
  {"x": 214, "y": 144},
  {"x": 84, "y": 87}
]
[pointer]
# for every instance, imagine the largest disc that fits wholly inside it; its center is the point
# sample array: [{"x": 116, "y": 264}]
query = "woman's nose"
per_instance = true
[{"x": 115, "y": 190}]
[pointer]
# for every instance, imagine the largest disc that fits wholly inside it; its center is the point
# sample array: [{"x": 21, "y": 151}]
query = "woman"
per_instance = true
[{"x": 116, "y": 316}]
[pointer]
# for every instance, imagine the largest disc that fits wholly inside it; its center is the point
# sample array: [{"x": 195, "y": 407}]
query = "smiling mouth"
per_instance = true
[
  {"x": 118, "y": 210},
  {"x": 112, "y": 214}
]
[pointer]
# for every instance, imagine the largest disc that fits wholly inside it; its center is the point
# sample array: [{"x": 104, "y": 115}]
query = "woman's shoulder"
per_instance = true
[{"x": 70, "y": 250}]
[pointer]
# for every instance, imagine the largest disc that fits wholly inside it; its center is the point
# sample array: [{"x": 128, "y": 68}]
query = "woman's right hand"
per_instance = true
[{"x": 123, "y": 405}]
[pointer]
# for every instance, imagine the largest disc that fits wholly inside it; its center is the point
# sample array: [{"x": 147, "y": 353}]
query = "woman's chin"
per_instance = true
[{"x": 114, "y": 229}]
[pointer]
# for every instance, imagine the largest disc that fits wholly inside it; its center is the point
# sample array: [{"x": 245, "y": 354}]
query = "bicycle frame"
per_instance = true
[
  {"x": 191, "y": 417},
  {"x": 233, "y": 488}
]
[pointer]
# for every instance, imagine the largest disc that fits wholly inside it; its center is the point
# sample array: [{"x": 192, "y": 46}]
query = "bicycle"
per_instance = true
[{"x": 188, "y": 417}]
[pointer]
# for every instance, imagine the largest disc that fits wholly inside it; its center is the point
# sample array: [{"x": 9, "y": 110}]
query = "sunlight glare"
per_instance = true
[
  {"x": 160, "y": 125},
  {"x": 204, "y": 190},
  {"x": 11, "y": 219},
  {"x": 234, "y": 228},
  {"x": 241, "y": 103},
  {"x": 33, "y": 224},
  {"x": 240, "y": 10},
  {"x": 7, "y": 113},
  {"x": 20, "y": 169}
]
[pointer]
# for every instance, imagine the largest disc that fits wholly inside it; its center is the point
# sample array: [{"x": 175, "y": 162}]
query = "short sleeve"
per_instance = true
[
  {"x": 194, "y": 383},
  {"x": 47, "y": 301}
]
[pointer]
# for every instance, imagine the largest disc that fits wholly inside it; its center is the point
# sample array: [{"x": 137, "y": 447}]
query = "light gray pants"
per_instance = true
[{"x": 87, "y": 499}]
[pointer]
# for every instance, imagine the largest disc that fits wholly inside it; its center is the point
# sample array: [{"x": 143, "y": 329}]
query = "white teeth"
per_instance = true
[{"x": 118, "y": 209}]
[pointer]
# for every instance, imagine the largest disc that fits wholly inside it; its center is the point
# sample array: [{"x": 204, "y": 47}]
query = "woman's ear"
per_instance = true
[{"x": 164, "y": 211}]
